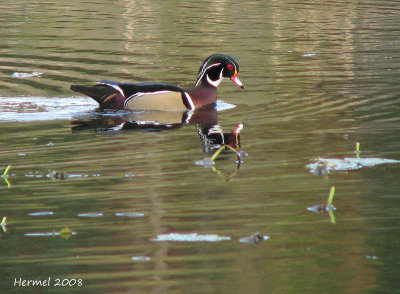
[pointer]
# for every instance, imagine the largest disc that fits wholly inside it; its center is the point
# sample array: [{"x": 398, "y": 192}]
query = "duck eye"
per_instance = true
[{"x": 230, "y": 66}]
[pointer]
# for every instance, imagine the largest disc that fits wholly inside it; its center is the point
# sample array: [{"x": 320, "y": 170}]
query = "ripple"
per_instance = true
[{"x": 43, "y": 108}]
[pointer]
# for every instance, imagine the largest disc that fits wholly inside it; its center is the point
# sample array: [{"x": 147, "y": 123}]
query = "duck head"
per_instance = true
[{"x": 215, "y": 68}]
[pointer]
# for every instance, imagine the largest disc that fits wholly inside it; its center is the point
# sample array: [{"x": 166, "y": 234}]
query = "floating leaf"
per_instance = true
[
  {"x": 66, "y": 233},
  {"x": 254, "y": 239}
]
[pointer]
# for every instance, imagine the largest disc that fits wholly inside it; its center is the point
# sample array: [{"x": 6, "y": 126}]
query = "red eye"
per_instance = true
[{"x": 230, "y": 66}]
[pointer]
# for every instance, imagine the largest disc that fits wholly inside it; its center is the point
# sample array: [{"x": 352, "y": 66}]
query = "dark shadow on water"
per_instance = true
[{"x": 204, "y": 120}]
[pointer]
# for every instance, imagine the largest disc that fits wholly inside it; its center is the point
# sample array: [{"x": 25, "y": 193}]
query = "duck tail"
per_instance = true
[{"x": 98, "y": 93}]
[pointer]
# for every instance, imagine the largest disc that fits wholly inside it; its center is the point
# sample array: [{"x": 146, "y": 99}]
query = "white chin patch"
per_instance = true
[{"x": 214, "y": 83}]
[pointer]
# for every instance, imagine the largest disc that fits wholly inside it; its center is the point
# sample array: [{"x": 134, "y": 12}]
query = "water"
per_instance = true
[{"x": 88, "y": 192}]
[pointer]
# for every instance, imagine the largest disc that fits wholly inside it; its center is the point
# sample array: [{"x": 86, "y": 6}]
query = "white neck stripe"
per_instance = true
[
  {"x": 189, "y": 100},
  {"x": 204, "y": 70},
  {"x": 116, "y": 87}
]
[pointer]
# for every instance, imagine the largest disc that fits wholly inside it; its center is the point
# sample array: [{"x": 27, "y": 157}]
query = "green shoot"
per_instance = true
[
  {"x": 6, "y": 171},
  {"x": 219, "y": 150},
  {"x": 358, "y": 149},
  {"x": 233, "y": 149},
  {"x": 3, "y": 224},
  {"x": 7, "y": 182},
  {"x": 332, "y": 216},
  {"x": 331, "y": 195},
  {"x": 215, "y": 155},
  {"x": 5, "y": 176}
]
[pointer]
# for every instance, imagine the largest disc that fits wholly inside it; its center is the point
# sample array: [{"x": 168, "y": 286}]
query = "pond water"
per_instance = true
[{"x": 106, "y": 205}]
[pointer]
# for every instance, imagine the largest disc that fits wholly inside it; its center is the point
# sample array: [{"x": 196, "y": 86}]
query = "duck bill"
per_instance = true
[{"x": 236, "y": 80}]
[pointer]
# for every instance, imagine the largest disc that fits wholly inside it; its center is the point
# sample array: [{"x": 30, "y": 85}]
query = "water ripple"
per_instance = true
[{"x": 43, "y": 108}]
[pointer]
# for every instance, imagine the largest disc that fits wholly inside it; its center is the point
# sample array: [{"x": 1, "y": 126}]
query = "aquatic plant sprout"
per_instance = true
[
  {"x": 331, "y": 195},
  {"x": 6, "y": 171}
]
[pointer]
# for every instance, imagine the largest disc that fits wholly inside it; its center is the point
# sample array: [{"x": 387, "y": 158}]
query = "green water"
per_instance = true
[{"x": 319, "y": 77}]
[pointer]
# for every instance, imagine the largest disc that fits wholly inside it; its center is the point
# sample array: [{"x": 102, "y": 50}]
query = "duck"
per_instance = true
[{"x": 163, "y": 96}]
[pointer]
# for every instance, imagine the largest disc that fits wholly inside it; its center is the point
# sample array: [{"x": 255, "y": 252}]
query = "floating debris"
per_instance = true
[
  {"x": 242, "y": 154},
  {"x": 90, "y": 214},
  {"x": 58, "y": 176},
  {"x": 373, "y": 257},
  {"x": 326, "y": 208},
  {"x": 321, "y": 169},
  {"x": 321, "y": 208},
  {"x": 141, "y": 258},
  {"x": 254, "y": 239},
  {"x": 26, "y": 74},
  {"x": 192, "y": 237},
  {"x": 129, "y": 175},
  {"x": 61, "y": 176},
  {"x": 41, "y": 213},
  {"x": 325, "y": 165},
  {"x": 309, "y": 55},
  {"x": 50, "y": 144},
  {"x": 129, "y": 214}
]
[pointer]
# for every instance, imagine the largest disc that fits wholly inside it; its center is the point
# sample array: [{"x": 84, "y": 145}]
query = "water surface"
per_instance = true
[{"x": 318, "y": 77}]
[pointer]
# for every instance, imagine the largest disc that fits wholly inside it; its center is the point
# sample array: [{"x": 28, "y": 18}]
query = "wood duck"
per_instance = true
[{"x": 157, "y": 96}]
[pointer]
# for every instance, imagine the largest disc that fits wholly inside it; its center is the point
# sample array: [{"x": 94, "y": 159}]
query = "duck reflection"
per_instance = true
[{"x": 205, "y": 120}]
